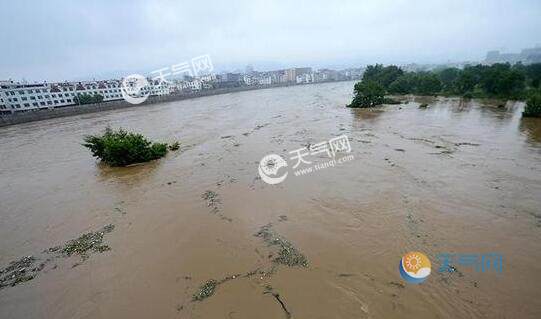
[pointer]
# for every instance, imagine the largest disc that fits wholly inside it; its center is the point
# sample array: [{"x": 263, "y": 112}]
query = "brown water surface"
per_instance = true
[{"x": 457, "y": 177}]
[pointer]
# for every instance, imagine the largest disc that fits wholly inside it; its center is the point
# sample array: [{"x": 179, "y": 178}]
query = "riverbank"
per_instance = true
[{"x": 44, "y": 114}]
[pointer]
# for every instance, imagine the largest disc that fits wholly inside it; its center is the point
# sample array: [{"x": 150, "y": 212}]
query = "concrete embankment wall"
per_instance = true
[{"x": 43, "y": 114}]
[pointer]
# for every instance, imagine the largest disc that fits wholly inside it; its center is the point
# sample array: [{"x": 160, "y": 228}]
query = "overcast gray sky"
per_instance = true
[{"x": 56, "y": 40}]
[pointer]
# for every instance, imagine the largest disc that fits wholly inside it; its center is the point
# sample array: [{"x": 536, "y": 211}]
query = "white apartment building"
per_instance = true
[
  {"x": 306, "y": 78},
  {"x": 3, "y": 106},
  {"x": 266, "y": 80},
  {"x": 21, "y": 97},
  {"x": 185, "y": 86}
]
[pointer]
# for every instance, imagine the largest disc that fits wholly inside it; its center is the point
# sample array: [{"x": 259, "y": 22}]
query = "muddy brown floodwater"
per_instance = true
[{"x": 198, "y": 234}]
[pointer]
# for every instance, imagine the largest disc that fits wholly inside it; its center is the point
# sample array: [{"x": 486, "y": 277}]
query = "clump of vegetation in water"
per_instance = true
[
  {"x": 121, "y": 148},
  {"x": 92, "y": 241},
  {"x": 533, "y": 106},
  {"x": 368, "y": 94},
  {"x": 287, "y": 253},
  {"x": 205, "y": 291}
]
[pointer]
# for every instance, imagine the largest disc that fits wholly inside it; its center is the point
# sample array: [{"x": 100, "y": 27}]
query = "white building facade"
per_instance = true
[{"x": 22, "y": 97}]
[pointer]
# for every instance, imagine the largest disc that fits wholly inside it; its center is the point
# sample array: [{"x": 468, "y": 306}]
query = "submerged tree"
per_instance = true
[
  {"x": 533, "y": 106},
  {"x": 121, "y": 148},
  {"x": 367, "y": 94}
]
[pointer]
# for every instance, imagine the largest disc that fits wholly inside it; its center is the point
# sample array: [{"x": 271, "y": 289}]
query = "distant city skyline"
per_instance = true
[{"x": 63, "y": 40}]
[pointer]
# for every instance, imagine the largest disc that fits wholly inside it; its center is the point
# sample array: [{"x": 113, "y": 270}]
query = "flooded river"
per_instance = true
[{"x": 460, "y": 177}]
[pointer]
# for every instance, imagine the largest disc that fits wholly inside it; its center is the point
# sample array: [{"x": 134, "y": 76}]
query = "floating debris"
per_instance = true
[
  {"x": 92, "y": 241},
  {"x": 174, "y": 147},
  {"x": 467, "y": 144},
  {"x": 287, "y": 253},
  {"x": 28, "y": 267},
  {"x": 397, "y": 284},
  {"x": 19, "y": 271},
  {"x": 213, "y": 200},
  {"x": 119, "y": 210},
  {"x": 270, "y": 290},
  {"x": 205, "y": 291}
]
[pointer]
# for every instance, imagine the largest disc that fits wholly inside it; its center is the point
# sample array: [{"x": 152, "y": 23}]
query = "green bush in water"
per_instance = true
[
  {"x": 121, "y": 148},
  {"x": 533, "y": 106}
]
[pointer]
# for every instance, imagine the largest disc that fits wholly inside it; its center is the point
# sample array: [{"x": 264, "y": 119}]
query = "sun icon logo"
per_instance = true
[
  {"x": 414, "y": 267},
  {"x": 413, "y": 262}
]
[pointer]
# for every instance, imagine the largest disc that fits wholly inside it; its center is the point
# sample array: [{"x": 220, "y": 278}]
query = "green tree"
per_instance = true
[
  {"x": 383, "y": 75},
  {"x": 368, "y": 94},
  {"x": 533, "y": 72},
  {"x": 502, "y": 80},
  {"x": 465, "y": 82},
  {"x": 448, "y": 78},
  {"x": 533, "y": 106},
  {"x": 405, "y": 84},
  {"x": 428, "y": 83},
  {"x": 121, "y": 148}
]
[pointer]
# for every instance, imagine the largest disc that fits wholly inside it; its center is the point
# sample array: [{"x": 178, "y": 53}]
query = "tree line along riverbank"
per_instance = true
[{"x": 500, "y": 81}]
